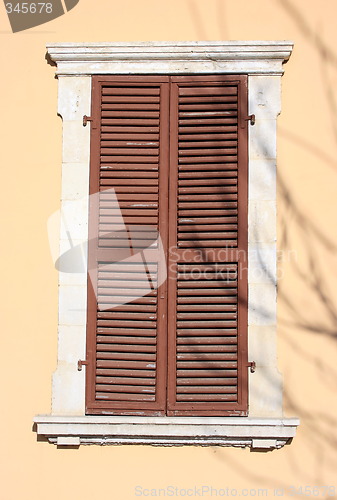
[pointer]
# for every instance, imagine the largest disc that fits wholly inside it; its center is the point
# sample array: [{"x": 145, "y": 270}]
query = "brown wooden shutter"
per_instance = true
[
  {"x": 127, "y": 323},
  {"x": 207, "y": 363},
  {"x": 185, "y": 352}
]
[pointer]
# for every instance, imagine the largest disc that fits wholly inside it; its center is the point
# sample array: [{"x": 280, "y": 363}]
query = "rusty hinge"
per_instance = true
[
  {"x": 80, "y": 364},
  {"x": 87, "y": 119},
  {"x": 251, "y": 119},
  {"x": 252, "y": 366}
]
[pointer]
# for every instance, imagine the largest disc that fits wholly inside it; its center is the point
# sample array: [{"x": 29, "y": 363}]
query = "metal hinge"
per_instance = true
[
  {"x": 87, "y": 119},
  {"x": 80, "y": 364},
  {"x": 252, "y": 366}
]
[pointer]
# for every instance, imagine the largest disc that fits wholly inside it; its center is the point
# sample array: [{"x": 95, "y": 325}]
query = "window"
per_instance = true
[
  {"x": 169, "y": 158},
  {"x": 238, "y": 408}
]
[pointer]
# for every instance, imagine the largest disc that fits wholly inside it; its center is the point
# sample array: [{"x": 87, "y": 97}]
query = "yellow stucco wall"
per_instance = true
[{"x": 307, "y": 306}]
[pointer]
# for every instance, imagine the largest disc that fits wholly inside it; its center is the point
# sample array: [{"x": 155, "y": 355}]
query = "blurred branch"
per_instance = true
[
  {"x": 197, "y": 19},
  {"x": 222, "y": 19},
  {"x": 314, "y": 38},
  {"x": 309, "y": 147},
  {"x": 305, "y": 224}
]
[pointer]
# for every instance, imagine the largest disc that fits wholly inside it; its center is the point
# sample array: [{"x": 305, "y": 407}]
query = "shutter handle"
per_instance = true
[
  {"x": 251, "y": 119},
  {"x": 87, "y": 119},
  {"x": 252, "y": 366},
  {"x": 80, "y": 364}
]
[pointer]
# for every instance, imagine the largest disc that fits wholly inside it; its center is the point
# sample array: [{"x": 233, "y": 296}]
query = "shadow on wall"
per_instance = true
[
  {"x": 313, "y": 275},
  {"x": 312, "y": 458}
]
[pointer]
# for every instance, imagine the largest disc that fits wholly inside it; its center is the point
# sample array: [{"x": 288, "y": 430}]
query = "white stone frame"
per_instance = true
[{"x": 262, "y": 61}]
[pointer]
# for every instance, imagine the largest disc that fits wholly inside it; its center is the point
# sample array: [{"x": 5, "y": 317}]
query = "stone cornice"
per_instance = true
[{"x": 252, "y": 57}]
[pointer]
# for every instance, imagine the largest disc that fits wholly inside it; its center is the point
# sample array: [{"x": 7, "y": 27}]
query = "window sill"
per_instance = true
[{"x": 264, "y": 433}]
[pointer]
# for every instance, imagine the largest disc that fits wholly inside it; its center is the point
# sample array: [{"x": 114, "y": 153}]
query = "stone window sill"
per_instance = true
[{"x": 262, "y": 433}]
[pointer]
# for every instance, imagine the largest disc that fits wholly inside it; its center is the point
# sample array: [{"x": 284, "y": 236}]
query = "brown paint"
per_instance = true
[{"x": 201, "y": 365}]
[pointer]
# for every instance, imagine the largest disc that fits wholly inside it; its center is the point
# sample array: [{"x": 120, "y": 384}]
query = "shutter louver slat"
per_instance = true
[
  {"x": 135, "y": 195},
  {"x": 201, "y": 150},
  {"x": 195, "y": 355},
  {"x": 132, "y": 358}
]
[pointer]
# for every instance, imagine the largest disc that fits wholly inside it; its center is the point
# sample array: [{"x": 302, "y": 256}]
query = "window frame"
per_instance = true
[{"x": 262, "y": 61}]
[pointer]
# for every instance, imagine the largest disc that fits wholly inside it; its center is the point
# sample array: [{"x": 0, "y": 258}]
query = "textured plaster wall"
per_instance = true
[{"x": 31, "y": 178}]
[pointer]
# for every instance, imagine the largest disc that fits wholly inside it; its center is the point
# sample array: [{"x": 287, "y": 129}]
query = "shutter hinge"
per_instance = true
[
  {"x": 252, "y": 366},
  {"x": 87, "y": 119},
  {"x": 80, "y": 364},
  {"x": 251, "y": 119}
]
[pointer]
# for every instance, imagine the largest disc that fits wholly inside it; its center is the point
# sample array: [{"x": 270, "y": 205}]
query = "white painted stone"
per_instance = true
[
  {"x": 72, "y": 262},
  {"x": 72, "y": 344},
  {"x": 205, "y": 64},
  {"x": 261, "y": 304},
  {"x": 76, "y": 147},
  {"x": 265, "y": 393},
  {"x": 68, "y": 441},
  {"x": 74, "y": 97},
  {"x": 251, "y": 57},
  {"x": 72, "y": 305},
  {"x": 262, "y": 140},
  {"x": 75, "y": 181},
  {"x": 263, "y": 443},
  {"x": 262, "y": 179},
  {"x": 261, "y": 221},
  {"x": 265, "y": 384},
  {"x": 71, "y": 341},
  {"x": 262, "y": 263},
  {"x": 169, "y": 431},
  {"x": 264, "y": 96},
  {"x": 262, "y": 346},
  {"x": 161, "y": 422},
  {"x": 68, "y": 390},
  {"x": 74, "y": 219}
]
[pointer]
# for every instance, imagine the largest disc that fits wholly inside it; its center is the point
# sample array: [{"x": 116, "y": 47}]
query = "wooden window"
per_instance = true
[{"x": 174, "y": 150}]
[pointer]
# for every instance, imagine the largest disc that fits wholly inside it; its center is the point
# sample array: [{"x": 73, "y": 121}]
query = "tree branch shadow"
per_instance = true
[{"x": 317, "y": 434}]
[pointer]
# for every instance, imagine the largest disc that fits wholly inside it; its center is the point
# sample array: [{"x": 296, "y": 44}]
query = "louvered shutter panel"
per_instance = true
[
  {"x": 183, "y": 352},
  {"x": 207, "y": 311},
  {"x": 126, "y": 345}
]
